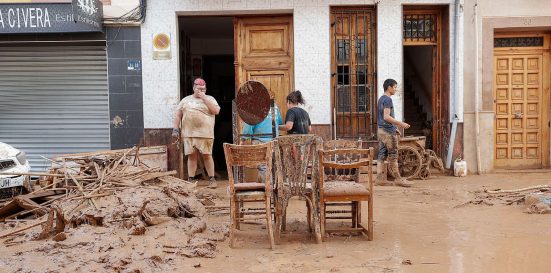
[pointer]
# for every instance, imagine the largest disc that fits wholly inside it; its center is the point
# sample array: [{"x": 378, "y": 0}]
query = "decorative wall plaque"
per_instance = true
[{"x": 161, "y": 46}]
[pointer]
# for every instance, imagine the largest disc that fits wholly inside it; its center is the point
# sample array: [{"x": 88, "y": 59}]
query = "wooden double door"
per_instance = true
[
  {"x": 521, "y": 92},
  {"x": 264, "y": 53}
]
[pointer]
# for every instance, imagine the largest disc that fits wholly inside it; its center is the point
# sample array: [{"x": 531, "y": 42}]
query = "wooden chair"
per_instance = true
[
  {"x": 339, "y": 183},
  {"x": 341, "y": 210},
  {"x": 296, "y": 153},
  {"x": 250, "y": 156}
]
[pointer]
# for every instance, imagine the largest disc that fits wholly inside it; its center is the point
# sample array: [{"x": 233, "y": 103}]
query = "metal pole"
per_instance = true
[{"x": 451, "y": 144}]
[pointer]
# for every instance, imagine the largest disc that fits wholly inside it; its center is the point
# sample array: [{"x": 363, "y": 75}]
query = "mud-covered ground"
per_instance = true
[{"x": 428, "y": 228}]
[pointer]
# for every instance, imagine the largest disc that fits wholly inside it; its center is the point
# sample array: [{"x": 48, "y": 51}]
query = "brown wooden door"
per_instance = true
[
  {"x": 264, "y": 53},
  {"x": 521, "y": 123},
  {"x": 353, "y": 64}
]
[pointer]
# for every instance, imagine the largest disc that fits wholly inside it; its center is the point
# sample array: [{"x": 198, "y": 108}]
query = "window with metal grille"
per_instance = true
[
  {"x": 353, "y": 72},
  {"x": 518, "y": 42},
  {"x": 420, "y": 27}
]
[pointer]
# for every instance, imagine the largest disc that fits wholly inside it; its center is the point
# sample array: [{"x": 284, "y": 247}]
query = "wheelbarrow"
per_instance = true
[{"x": 414, "y": 161}]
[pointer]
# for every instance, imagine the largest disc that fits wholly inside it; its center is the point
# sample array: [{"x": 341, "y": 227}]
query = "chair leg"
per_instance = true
[
  {"x": 359, "y": 213},
  {"x": 354, "y": 212},
  {"x": 370, "y": 219},
  {"x": 269, "y": 223},
  {"x": 313, "y": 220},
  {"x": 240, "y": 212},
  {"x": 309, "y": 215},
  {"x": 359, "y": 217},
  {"x": 284, "y": 218},
  {"x": 277, "y": 216},
  {"x": 317, "y": 231},
  {"x": 322, "y": 219},
  {"x": 233, "y": 220},
  {"x": 277, "y": 236}
]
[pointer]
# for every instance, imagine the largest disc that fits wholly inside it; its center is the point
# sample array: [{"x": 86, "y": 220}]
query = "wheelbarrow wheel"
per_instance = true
[{"x": 409, "y": 162}]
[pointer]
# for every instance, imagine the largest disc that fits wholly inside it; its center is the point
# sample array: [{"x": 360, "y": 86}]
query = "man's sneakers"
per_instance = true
[{"x": 212, "y": 183}]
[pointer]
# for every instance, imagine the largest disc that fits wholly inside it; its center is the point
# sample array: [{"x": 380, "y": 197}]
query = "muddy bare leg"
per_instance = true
[{"x": 192, "y": 164}]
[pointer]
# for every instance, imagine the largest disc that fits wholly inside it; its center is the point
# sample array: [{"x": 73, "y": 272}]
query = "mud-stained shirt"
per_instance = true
[{"x": 197, "y": 121}]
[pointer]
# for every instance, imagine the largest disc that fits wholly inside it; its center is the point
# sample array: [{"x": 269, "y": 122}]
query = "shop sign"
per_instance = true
[{"x": 79, "y": 16}]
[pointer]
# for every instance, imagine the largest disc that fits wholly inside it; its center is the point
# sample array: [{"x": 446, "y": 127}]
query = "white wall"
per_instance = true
[
  {"x": 313, "y": 60},
  {"x": 311, "y": 48}
]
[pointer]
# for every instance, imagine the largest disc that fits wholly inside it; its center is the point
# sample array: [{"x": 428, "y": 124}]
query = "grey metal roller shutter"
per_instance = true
[{"x": 54, "y": 99}]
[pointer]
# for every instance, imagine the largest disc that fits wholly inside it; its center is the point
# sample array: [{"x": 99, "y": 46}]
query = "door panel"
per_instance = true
[
  {"x": 276, "y": 82},
  {"x": 264, "y": 53},
  {"x": 519, "y": 113}
]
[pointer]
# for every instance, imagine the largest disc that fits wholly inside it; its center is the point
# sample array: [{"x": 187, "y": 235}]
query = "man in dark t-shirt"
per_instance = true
[
  {"x": 385, "y": 102},
  {"x": 387, "y": 134}
]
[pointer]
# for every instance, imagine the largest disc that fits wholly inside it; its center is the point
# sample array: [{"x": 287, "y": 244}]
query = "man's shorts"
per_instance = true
[{"x": 203, "y": 145}]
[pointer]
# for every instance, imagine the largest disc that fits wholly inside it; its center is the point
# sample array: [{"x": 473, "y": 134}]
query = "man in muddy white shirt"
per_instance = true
[{"x": 196, "y": 114}]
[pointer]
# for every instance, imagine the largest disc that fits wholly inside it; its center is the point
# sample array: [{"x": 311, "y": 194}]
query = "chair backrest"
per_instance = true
[
  {"x": 342, "y": 144},
  {"x": 296, "y": 154},
  {"x": 350, "y": 174},
  {"x": 249, "y": 156},
  {"x": 344, "y": 164}
]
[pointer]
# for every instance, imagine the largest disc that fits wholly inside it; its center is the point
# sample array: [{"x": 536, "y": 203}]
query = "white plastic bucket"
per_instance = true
[{"x": 460, "y": 168}]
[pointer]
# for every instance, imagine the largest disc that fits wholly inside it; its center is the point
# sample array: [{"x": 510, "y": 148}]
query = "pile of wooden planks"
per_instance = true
[{"x": 87, "y": 176}]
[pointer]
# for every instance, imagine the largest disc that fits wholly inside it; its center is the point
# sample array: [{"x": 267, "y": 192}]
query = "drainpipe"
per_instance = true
[
  {"x": 458, "y": 7},
  {"x": 477, "y": 91}
]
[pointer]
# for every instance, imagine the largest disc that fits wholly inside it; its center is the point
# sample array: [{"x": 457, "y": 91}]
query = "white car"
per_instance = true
[{"x": 12, "y": 161}]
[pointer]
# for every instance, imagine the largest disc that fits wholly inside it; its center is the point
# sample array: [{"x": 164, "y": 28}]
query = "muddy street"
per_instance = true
[
  {"x": 428, "y": 228},
  {"x": 416, "y": 230}
]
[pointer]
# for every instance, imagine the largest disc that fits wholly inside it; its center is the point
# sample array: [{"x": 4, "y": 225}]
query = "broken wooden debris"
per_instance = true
[
  {"x": 113, "y": 190},
  {"x": 48, "y": 229},
  {"x": 539, "y": 187},
  {"x": 87, "y": 176},
  {"x": 16, "y": 231},
  {"x": 534, "y": 198}
]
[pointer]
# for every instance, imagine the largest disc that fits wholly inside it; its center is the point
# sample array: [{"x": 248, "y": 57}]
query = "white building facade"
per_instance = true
[{"x": 315, "y": 67}]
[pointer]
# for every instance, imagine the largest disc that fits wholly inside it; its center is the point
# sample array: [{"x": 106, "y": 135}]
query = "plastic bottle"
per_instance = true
[{"x": 460, "y": 167}]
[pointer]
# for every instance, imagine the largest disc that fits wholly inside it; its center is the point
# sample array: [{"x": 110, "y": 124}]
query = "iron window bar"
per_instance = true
[
  {"x": 518, "y": 42},
  {"x": 354, "y": 88},
  {"x": 420, "y": 28}
]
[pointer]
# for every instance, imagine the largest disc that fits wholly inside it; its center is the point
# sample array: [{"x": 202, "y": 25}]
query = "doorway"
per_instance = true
[
  {"x": 227, "y": 51},
  {"x": 426, "y": 74},
  {"x": 418, "y": 91},
  {"x": 206, "y": 50}
]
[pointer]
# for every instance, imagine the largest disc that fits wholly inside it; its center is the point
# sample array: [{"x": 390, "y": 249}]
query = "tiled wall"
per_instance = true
[{"x": 125, "y": 86}]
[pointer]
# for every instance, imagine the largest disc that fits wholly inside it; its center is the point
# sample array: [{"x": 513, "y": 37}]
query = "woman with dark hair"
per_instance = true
[{"x": 297, "y": 120}]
